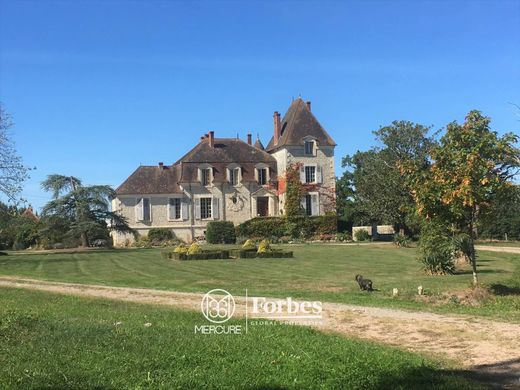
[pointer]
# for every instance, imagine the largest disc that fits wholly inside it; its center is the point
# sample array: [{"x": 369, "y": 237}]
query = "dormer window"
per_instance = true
[
  {"x": 309, "y": 147},
  {"x": 262, "y": 174},
  {"x": 205, "y": 176},
  {"x": 234, "y": 176}
]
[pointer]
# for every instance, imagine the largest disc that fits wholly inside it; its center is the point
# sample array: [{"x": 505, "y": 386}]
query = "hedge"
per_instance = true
[
  {"x": 204, "y": 255},
  {"x": 276, "y": 254},
  {"x": 294, "y": 227},
  {"x": 220, "y": 232}
]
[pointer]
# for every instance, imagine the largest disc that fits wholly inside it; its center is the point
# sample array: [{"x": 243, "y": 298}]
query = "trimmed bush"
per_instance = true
[
  {"x": 202, "y": 255},
  {"x": 181, "y": 248},
  {"x": 249, "y": 245},
  {"x": 265, "y": 246},
  {"x": 220, "y": 232},
  {"x": 194, "y": 249},
  {"x": 275, "y": 254}
]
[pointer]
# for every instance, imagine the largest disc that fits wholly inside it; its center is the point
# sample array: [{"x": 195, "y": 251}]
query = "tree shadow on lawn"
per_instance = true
[
  {"x": 504, "y": 374},
  {"x": 480, "y": 271},
  {"x": 503, "y": 290}
]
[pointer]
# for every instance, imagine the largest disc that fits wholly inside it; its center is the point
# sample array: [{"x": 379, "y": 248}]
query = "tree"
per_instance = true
[
  {"x": 466, "y": 170},
  {"x": 379, "y": 191},
  {"x": 85, "y": 207},
  {"x": 502, "y": 218},
  {"x": 12, "y": 171}
]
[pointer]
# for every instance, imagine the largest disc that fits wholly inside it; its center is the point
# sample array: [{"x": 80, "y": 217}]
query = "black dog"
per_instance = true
[{"x": 364, "y": 284}]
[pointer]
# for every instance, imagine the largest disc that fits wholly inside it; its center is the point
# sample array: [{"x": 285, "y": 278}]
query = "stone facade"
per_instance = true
[{"x": 231, "y": 180}]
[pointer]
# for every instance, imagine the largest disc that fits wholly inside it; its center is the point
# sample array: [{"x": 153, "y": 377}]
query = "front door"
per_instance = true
[{"x": 262, "y": 206}]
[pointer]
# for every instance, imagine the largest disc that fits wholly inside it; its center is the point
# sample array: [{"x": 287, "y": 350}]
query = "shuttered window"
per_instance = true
[{"x": 175, "y": 208}]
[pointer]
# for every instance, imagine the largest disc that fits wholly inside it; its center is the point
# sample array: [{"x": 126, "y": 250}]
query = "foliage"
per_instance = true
[
  {"x": 220, "y": 232},
  {"x": 401, "y": 240},
  {"x": 436, "y": 249},
  {"x": 466, "y": 169},
  {"x": 294, "y": 191},
  {"x": 249, "y": 245},
  {"x": 374, "y": 190},
  {"x": 181, "y": 248},
  {"x": 159, "y": 235},
  {"x": 86, "y": 208},
  {"x": 264, "y": 246},
  {"x": 294, "y": 227},
  {"x": 343, "y": 237},
  {"x": 12, "y": 170},
  {"x": 201, "y": 255},
  {"x": 362, "y": 235},
  {"x": 194, "y": 249},
  {"x": 501, "y": 219}
]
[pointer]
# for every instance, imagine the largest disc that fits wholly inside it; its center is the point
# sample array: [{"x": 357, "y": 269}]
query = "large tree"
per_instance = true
[
  {"x": 87, "y": 208},
  {"x": 12, "y": 171},
  {"x": 469, "y": 166},
  {"x": 378, "y": 189}
]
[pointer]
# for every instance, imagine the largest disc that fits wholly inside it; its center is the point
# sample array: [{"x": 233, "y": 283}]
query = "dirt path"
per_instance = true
[
  {"x": 504, "y": 249},
  {"x": 482, "y": 346}
]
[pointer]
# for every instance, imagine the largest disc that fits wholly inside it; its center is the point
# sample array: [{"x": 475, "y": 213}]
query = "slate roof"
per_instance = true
[
  {"x": 258, "y": 144},
  {"x": 298, "y": 123},
  {"x": 167, "y": 179}
]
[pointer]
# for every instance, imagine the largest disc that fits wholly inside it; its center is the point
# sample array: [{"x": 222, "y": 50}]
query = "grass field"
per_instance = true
[
  {"x": 318, "y": 272},
  {"x": 59, "y": 342}
]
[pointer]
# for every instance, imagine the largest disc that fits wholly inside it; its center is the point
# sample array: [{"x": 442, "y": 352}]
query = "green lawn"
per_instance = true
[
  {"x": 318, "y": 272},
  {"x": 60, "y": 342}
]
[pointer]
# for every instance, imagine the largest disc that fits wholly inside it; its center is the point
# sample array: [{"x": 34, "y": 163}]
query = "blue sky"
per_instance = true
[{"x": 96, "y": 88}]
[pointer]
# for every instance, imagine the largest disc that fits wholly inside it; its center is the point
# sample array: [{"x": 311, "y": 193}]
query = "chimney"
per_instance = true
[
  {"x": 249, "y": 139},
  {"x": 308, "y": 102},
  {"x": 211, "y": 139},
  {"x": 161, "y": 165},
  {"x": 276, "y": 123}
]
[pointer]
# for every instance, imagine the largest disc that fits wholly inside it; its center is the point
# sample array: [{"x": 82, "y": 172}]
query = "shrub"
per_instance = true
[
  {"x": 463, "y": 246},
  {"x": 220, "y": 232},
  {"x": 436, "y": 249},
  {"x": 156, "y": 236},
  {"x": 265, "y": 246},
  {"x": 401, "y": 240},
  {"x": 343, "y": 237},
  {"x": 181, "y": 248},
  {"x": 249, "y": 245},
  {"x": 294, "y": 227},
  {"x": 202, "y": 255},
  {"x": 194, "y": 249},
  {"x": 362, "y": 235}
]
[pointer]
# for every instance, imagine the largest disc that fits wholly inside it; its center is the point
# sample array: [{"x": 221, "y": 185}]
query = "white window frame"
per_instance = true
[
  {"x": 235, "y": 171},
  {"x": 181, "y": 216},
  {"x": 139, "y": 209},
  {"x": 258, "y": 167},
  {"x": 214, "y": 207},
  {"x": 312, "y": 143},
  {"x": 307, "y": 167},
  {"x": 315, "y": 206}
]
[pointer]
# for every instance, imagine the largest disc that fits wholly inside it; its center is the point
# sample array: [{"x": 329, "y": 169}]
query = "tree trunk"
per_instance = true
[
  {"x": 84, "y": 240},
  {"x": 473, "y": 254},
  {"x": 474, "y": 264}
]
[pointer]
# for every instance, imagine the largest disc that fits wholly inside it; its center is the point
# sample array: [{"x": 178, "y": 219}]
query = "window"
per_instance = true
[
  {"x": 262, "y": 176},
  {"x": 143, "y": 210},
  {"x": 205, "y": 176},
  {"x": 234, "y": 176},
  {"x": 310, "y": 174},
  {"x": 175, "y": 208},
  {"x": 309, "y": 147},
  {"x": 308, "y": 204},
  {"x": 205, "y": 208}
]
